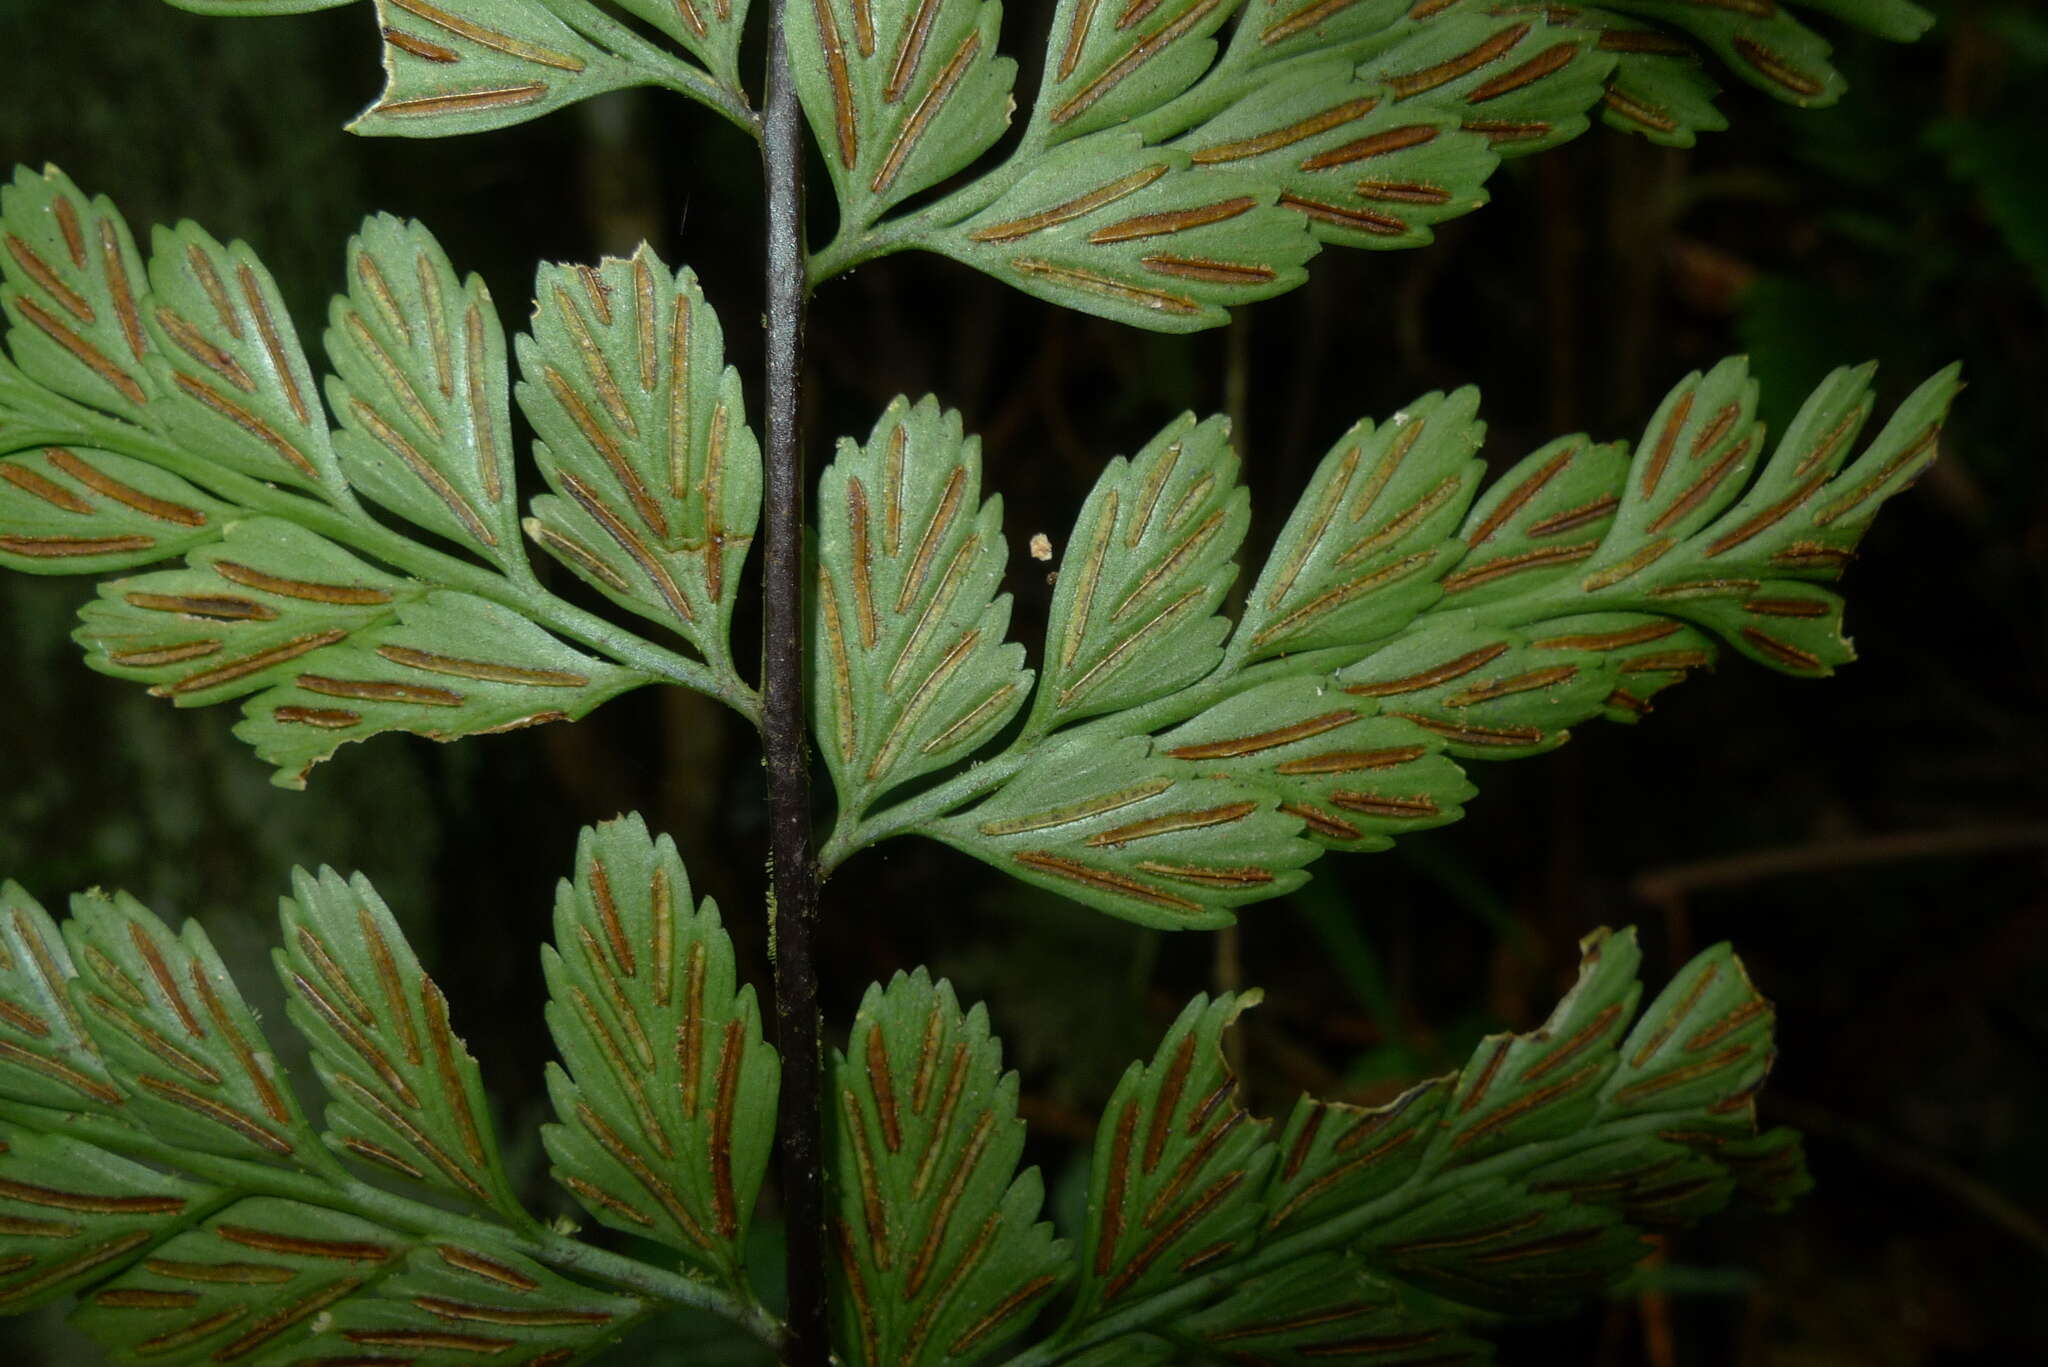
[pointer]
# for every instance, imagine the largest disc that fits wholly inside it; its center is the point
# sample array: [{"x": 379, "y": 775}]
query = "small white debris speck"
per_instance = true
[{"x": 1041, "y": 546}]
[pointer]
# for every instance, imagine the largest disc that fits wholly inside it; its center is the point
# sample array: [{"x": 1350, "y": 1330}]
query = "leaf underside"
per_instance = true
[
  {"x": 1185, "y": 156},
  {"x": 1526, "y": 1181},
  {"x": 154, "y": 1163},
  {"x": 940, "y": 1258},
  {"x": 1173, "y": 766},
  {"x": 162, "y": 409},
  {"x": 1179, "y": 157},
  {"x": 243, "y": 1235},
  {"x": 667, "y": 1092}
]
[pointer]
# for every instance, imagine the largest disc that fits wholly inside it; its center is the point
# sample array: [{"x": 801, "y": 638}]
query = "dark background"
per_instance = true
[{"x": 1906, "y": 950}]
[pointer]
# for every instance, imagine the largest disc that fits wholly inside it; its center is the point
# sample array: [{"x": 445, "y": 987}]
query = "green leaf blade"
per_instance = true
[
  {"x": 235, "y": 381},
  {"x": 908, "y": 642},
  {"x": 1150, "y": 558},
  {"x": 1515, "y": 79},
  {"x": 1362, "y": 554},
  {"x": 1764, "y": 46},
  {"x": 76, "y": 510},
  {"x": 1363, "y": 169},
  {"x": 178, "y": 1039},
  {"x": 1106, "y": 63},
  {"x": 405, "y": 1094},
  {"x": 496, "y": 63},
  {"x": 900, "y": 95},
  {"x": 1521, "y": 1181},
  {"x": 1109, "y": 226},
  {"x": 1329, "y": 1308},
  {"x": 72, "y": 1214},
  {"x": 1178, "y": 1168},
  {"x": 47, "y": 1055},
  {"x": 1143, "y": 837},
  {"x": 243, "y": 1285},
  {"x": 420, "y": 389},
  {"x": 442, "y": 666},
  {"x": 1355, "y": 778},
  {"x": 667, "y": 1101},
  {"x": 70, "y": 286},
  {"x": 644, "y": 439},
  {"x": 448, "y": 1303},
  {"x": 711, "y": 29},
  {"x": 241, "y": 611},
  {"x": 238, "y": 9},
  {"x": 942, "y": 1259}
]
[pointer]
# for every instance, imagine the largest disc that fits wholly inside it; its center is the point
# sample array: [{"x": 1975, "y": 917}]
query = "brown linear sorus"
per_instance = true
[
  {"x": 425, "y": 471},
  {"x": 1548, "y": 62},
  {"x": 217, "y": 607},
  {"x": 1862, "y": 493},
  {"x": 1352, "y": 761},
  {"x": 487, "y": 671},
  {"x": 1171, "y": 823},
  {"x": 1383, "y": 805},
  {"x": 1373, "y": 145},
  {"x": 91, "y": 356},
  {"x": 1050, "y": 863},
  {"x": 97, "y": 480},
  {"x": 928, "y": 107},
  {"x": 209, "y": 397},
  {"x": 1367, "y": 221},
  {"x": 465, "y": 1312},
  {"x": 1370, "y": 1125},
  {"x": 1077, "y": 207},
  {"x": 1465, "y": 733},
  {"x": 1784, "y": 652},
  {"x": 62, "y": 547},
  {"x": 1433, "y": 676},
  {"x": 1105, "y": 286},
  {"x": 489, "y": 38},
  {"x": 1572, "y": 519},
  {"x": 47, "y": 490},
  {"x": 1521, "y": 496},
  {"x": 1500, "y": 567},
  {"x": 1497, "y": 131},
  {"x": 1336, "y": 597},
  {"x": 243, "y": 666},
  {"x": 1549, "y": 676},
  {"x": 463, "y": 102},
  {"x": 1141, "y": 52},
  {"x": 97, "y": 1255},
  {"x": 1302, "y": 20},
  {"x": 51, "y": 283},
  {"x": 1774, "y": 67},
  {"x": 1638, "y": 110},
  {"x": 1261, "y": 741},
  {"x": 1129, "y": 647},
  {"x": 1299, "y": 131},
  {"x": 1491, "y": 48}
]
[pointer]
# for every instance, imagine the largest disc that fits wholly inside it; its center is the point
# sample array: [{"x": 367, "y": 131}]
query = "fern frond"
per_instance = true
[
  {"x": 1403, "y": 620},
  {"x": 1167, "y": 172},
  {"x": 162, "y": 409},
  {"x": 667, "y": 1093},
  {"x": 154, "y": 1158},
  {"x": 1524, "y": 1182}
]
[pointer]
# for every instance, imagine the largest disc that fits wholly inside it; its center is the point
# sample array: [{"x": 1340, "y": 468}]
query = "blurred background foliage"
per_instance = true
[{"x": 1874, "y": 844}]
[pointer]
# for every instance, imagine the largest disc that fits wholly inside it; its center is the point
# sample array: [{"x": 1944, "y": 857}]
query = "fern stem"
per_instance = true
[{"x": 784, "y": 733}]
